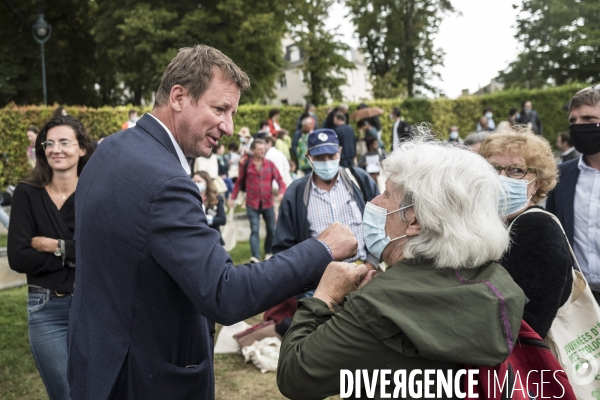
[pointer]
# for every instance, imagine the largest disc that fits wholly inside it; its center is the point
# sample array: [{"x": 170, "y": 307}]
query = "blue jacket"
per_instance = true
[
  {"x": 292, "y": 224},
  {"x": 561, "y": 200},
  {"x": 347, "y": 140},
  {"x": 152, "y": 278}
]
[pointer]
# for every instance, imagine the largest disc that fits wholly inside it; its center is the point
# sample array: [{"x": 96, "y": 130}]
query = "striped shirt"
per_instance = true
[{"x": 326, "y": 207}]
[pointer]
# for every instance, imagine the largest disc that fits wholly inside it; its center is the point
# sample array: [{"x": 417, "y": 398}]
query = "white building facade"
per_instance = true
[{"x": 292, "y": 90}]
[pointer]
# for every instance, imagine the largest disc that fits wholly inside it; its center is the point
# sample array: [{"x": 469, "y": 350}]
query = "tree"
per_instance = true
[
  {"x": 69, "y": 53},
  {"x": 138, "y": 39},
  {"x": 323, "y": 54},
  {"x": 561, "y": 41},
  {"x": 397, "y": 36}
]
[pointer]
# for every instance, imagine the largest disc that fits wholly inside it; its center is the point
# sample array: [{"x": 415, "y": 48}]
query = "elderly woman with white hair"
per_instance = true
[{"x": 442, "y": 304}]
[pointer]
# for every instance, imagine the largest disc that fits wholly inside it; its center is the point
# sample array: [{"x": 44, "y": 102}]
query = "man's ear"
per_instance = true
[{"x": 176, "y": 97}]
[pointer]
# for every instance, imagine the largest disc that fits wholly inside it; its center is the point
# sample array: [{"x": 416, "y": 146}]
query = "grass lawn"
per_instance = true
[{"x": 19, "y": 378}]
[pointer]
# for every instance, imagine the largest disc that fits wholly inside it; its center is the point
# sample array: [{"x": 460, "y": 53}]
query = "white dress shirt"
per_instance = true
[
  {"x": 182, "y": 159},
  {"x": 586, "y": 238}
]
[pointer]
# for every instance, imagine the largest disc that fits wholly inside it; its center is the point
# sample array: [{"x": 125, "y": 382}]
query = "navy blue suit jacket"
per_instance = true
[
  {"x": 561, "y": 200},
  {"x": 152, "y": 278}
]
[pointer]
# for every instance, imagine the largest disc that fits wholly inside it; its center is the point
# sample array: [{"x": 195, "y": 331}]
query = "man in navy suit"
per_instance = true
[
  {"x": 152, "y": 278},
  {"x": 576, "y": 198}
]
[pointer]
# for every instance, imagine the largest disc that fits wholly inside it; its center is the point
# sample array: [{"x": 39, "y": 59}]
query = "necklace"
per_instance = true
[{"x": 64, "y": 196}]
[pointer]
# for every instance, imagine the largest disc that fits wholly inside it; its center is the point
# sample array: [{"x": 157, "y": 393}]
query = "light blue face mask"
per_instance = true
[
  {"x": 326, "y": 169},
  {"x": 201, "y": 187},
  {"x": 374, "y": 220},
  {"x": 515, "y": 191}
]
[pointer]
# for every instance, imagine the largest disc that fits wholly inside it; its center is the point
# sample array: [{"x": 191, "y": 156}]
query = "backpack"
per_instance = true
[{"x": 529, "y": 364}]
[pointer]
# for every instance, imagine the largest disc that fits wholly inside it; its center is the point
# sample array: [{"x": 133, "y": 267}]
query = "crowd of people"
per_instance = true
[{"x": 371, "y": 260}]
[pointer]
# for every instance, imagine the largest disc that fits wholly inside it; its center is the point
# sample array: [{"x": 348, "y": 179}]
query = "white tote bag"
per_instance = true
[{"x": 574, "y": 336}]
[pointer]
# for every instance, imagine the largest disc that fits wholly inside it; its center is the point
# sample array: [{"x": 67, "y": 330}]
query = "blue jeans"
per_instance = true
[
  {"x": 254, "y": 217},
  {"x": 48, "y": 316}
]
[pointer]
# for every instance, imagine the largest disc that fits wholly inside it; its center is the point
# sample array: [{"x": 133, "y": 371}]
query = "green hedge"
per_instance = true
[{"x": 440, "y": 113}]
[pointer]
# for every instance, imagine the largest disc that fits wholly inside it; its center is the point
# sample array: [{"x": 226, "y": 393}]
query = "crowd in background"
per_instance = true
[{"x": 306, "y": 178}]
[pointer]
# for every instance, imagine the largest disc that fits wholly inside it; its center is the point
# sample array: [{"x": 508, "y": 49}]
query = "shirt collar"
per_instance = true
[
  {"x": 315, "y": 187},
  {"x": 572, "y": 149},
  {"x": 584, "y": 167},
  {"x": 182, "y": 159}
]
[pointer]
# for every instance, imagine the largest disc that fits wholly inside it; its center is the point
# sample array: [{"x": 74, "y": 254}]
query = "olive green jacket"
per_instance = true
[{"x": 410, "y": 317}]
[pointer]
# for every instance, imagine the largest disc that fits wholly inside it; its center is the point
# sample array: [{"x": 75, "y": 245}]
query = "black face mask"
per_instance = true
[{"x": 586, "y": 138}]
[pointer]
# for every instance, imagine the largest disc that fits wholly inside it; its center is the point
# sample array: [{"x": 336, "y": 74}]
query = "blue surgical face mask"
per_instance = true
[
  {"x": 489, "y": 115},
  {"x": 374, "y": 220},
  {"x": 326, "y": 169},
  {"x": 454, "y": 135},
  {"x": 201, "y": 187},
  {"x": 515, "y": 191}
]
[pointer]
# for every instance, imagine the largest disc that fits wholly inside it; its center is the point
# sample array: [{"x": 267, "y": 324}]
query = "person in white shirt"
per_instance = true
[
  {"x": 576, "y": 198},
  {"x": 279, "y": 159}
]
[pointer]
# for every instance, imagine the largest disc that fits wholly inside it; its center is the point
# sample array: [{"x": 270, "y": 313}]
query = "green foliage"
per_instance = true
[
  {"x": 69, "y": 53},
  {"x": 440, "y": 113},
  {"x": 323, "y": 59},
  {"x": 397, "y": 36},
  {"x": 561, "y": 41},
  {"x": 19, "y": 378},
  {"x": 114, "y": 52}
]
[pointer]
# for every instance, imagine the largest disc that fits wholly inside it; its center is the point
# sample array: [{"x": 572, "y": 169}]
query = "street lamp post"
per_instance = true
[{"x": 41, "y": 33}]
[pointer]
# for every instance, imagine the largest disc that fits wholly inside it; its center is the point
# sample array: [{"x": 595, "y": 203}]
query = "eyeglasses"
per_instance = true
[
  {"x": 63, "y": 144},
  {"x": 514, "y": 171},
  {"x": 591, "y": 88}
]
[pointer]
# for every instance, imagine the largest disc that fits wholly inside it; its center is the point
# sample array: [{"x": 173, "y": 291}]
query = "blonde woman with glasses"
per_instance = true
[{"x": 538, "y": 259}]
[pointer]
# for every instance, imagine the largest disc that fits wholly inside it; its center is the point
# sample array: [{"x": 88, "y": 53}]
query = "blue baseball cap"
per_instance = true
[{"x": 323, "y": 141}]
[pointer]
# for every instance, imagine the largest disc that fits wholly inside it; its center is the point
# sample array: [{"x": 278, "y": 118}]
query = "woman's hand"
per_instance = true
[
  {"x": 44, "y": 244},
  {"x": 341, "y": 278}
]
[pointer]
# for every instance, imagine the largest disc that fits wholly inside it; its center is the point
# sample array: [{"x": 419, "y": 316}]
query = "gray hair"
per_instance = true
[
  {"x": 307, "y": 120},
  {"x": 456, "y": 195},
  {"x": 475, "y": 138}
]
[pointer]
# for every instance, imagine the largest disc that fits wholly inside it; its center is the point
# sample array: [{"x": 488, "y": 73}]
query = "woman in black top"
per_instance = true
[
  {"x": 538, "y": 259},
  {"x": 40, "y": 243}
]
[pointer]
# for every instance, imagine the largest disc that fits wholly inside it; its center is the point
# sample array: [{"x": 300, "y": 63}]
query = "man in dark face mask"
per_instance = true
[{"x": 576, "y": 198}]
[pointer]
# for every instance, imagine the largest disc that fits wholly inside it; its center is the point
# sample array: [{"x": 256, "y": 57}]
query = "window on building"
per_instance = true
[
  {"x": 294, "y": 54},
  {"x": 283, "y": 82},
  {"x": 284, "y": 102}
]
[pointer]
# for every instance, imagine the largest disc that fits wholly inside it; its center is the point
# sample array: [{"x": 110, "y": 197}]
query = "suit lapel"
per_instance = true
[{"x": 151, "y": 125}]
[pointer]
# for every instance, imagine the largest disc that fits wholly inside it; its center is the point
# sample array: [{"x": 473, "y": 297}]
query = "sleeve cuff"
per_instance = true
[{"x": 327, "y": 247}]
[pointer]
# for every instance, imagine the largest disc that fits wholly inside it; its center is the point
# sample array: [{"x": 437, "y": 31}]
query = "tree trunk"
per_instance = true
[{"x": 137, "y": 96}]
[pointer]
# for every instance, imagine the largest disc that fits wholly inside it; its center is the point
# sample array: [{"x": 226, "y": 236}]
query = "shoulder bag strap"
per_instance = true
[{"x": 561, "y": 228}]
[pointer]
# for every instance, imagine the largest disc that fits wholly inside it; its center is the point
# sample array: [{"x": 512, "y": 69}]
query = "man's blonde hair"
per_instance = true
[{"x": 194, "y": 68}]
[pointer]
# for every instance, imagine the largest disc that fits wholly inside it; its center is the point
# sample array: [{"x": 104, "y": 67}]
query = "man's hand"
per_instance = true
[
  {"x": 279, "y": 197},
  {"x": 341, "y": 278},
  {"x": 231, "y": 203},
  {"x": 44, "y": 244},
  {"x": 341, "y": 241}
]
